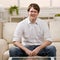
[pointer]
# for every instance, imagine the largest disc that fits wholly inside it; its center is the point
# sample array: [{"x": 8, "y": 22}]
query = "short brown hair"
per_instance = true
[{"x": 35, "y": 6}]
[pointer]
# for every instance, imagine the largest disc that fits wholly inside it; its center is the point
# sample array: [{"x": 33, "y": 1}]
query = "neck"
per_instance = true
[{"x": 33, "y": 20}]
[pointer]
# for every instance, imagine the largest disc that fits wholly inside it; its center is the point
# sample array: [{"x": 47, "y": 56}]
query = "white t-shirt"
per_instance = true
[{"x": 32, "y": 34}]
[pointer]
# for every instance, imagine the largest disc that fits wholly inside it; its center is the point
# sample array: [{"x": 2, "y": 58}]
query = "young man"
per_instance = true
[{"x": 36, "y": 36}]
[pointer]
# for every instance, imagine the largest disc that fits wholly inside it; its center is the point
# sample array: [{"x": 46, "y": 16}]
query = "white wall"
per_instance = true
[
  {"x": 45, "y": 12},
  {"x": 25, "y": 3}
]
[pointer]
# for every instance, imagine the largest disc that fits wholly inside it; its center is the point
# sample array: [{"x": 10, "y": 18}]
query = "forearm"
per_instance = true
[
  {"x": 18, "y": 44},
  {"x": 39, "y": 48},
  {"x": 45, "y": 44}
]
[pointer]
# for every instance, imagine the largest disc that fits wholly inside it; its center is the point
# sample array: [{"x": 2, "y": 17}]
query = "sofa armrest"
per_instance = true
[
  {"x": 3, "y": 47},
  {"x": 57, "y": 45}
]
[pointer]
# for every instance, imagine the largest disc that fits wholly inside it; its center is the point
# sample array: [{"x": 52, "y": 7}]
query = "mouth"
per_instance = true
[{"x": 32, "y": 15}]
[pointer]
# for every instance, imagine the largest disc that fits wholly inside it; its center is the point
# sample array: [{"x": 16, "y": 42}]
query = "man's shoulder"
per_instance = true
[
  {"x": 41, "y": 21},
  {"x": 23, "y": 21}
]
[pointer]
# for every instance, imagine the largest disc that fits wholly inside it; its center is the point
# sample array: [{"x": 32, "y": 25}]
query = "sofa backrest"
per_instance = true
[
  {"x": 8, "y": 30},
  {"x": 55, "y": 30},
  {"x": 1, "y": 25}
]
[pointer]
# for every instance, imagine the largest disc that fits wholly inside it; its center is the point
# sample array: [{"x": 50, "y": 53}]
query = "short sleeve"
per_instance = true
[
  {"x": 18, "y": 33},
  {"x": 47, "y": 35}
]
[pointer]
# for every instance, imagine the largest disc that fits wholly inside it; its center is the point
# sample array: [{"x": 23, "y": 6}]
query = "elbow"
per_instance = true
[
  {"x": 14, "y": 43},
  {"x": 50, "y": 42}
]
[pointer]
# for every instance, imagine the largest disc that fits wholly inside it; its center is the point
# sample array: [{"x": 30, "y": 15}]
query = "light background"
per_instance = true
[{"x": 25, "y": 3}]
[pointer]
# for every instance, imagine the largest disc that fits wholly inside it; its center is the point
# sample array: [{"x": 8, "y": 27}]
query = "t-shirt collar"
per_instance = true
[{"x": 29, "y": 22}]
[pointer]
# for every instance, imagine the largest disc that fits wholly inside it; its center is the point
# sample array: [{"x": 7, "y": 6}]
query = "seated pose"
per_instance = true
[{"x": 32, "y": 36}]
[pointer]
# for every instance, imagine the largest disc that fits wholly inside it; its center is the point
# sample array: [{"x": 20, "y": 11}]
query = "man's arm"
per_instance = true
[
  {"x": 18, "y": 44},
  {"x": 45, "y": 44},
  {"x": 39, "y": 48}
]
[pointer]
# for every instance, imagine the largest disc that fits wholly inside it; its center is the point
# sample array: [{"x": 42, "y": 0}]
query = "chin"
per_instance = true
[{"x": 33, "y": 18}]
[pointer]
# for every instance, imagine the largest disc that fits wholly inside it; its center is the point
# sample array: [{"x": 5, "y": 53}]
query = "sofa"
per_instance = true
[{"x": 6, "y": 35}]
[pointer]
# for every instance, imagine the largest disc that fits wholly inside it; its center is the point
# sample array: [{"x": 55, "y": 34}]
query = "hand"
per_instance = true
[
  {"x": 28, "y": 52},
  {"x": 35, "y": 51}
]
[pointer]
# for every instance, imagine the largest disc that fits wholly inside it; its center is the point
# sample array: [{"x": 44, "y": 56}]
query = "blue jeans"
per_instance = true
[{"x": 49, "y": 51}]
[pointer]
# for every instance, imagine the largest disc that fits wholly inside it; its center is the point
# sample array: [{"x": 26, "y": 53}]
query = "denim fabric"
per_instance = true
[{"x": 49, "y": 51}]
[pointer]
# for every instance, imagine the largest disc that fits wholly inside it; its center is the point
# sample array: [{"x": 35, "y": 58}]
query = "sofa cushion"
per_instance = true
[
  {"x": 55, "y": 30},
  {"x": 57, "y": 45},
  {"x": 8, "y": 30},
  {"x": 3, "y": 47},
  {"x": 1, "y": 25},
  {"x": 6, "y": 55},
  {"x": 11, "y": 45}
]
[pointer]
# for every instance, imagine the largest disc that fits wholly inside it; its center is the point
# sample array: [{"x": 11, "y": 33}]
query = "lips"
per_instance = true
[{"x": 32, "y": 15}]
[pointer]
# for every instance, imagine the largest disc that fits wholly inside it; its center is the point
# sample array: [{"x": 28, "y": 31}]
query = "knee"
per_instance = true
[
  {"x": 52, "y": 50},
  {"x": 12, "y": 51}
]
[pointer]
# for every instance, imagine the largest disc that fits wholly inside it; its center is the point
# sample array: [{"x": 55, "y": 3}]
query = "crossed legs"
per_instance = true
[{"x": 49, "y": 51}]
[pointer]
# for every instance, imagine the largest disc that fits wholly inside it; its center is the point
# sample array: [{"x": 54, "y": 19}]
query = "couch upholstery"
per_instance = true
[
  {"x": 0, "y": 29},
  {"x": 7, "y": 35}
]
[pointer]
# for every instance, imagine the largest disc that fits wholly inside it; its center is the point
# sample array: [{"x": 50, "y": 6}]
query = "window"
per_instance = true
[
  {"x": 8, "y": 3},
  {"x": 55, "y": 3},
  {"x": 41, "y": 3},
  {"x": 25, "y": 3}
]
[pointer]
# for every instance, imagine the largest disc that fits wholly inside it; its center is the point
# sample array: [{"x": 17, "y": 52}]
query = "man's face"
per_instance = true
[{"x": 33, "y": 13}]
